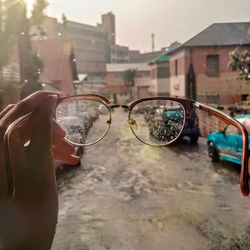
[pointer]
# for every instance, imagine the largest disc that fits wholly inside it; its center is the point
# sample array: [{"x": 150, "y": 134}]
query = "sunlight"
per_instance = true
[{"x": 29, "y": 5}]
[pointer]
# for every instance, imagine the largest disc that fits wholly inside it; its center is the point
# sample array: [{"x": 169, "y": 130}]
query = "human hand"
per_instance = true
[{"x": 29, "y": 220}]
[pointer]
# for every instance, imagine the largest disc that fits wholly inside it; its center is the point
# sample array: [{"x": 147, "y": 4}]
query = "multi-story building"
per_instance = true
[
  {"x": 119, "y": 54},
  {"x": 90, "y": 48},
  {"x": 199, "y": 67},
  {"x": 90, "y": 43},
  {"x": 108, "y": 24}
]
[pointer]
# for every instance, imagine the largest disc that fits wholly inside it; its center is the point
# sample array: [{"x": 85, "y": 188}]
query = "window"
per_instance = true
[
  {"x": 176, "y": 67},
  {"x": 162, "y": 72},
  {"x": 212, "y": 65},
  {"x": 209, "y": 98}
]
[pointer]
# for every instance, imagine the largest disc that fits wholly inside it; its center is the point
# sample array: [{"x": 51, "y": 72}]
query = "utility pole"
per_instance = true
[{"x": 153, "y": 42}]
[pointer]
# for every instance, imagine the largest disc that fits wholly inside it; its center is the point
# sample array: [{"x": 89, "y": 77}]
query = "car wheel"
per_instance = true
[
  {"x": 213, "y": 152},
  {"x": 194, "y": 139}
]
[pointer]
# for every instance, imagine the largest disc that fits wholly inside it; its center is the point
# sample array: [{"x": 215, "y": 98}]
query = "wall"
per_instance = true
[
  {"x": 160, "y": 85},
  {"x": 177, "y": 82},
  {"x": 177, "y": 86},
  {"x": 209, "y": 123},
  {"x": 225, "y": 83}
]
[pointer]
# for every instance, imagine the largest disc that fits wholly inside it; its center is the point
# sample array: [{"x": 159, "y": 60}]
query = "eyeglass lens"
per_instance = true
[
  {"x": 155, "y": 122},
  {"x": 85, "y": 121}
]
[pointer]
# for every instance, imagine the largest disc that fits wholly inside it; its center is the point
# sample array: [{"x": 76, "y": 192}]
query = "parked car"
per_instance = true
[
  {"x": 158, "y": 120},
  {"x": 227, "y": 143},
  {"x": 75, "y": 132},
  {"x": 86, "y": 121},
  {"x": 191, "y": 129}
]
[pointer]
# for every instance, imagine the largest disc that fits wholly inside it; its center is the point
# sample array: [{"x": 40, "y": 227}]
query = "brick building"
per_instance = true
[{"x": 199, "y": 67}]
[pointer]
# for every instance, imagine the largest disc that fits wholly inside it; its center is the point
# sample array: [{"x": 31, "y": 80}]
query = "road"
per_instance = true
[{"x": 130, "y": 196}]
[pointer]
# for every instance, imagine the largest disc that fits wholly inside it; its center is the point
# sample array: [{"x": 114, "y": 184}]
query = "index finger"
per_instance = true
[{"x": 25, "y": 106}]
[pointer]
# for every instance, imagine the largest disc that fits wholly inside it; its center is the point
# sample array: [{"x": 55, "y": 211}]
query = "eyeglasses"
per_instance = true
[{"x": 155, "y": 121}]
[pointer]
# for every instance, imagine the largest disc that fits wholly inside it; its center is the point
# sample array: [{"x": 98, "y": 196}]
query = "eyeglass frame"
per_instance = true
[{"x": 186, "y": 103}]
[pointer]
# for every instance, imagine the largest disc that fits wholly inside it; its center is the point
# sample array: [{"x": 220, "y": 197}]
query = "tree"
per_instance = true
[
  {"x": 129, "y": 79},
  {"x": 240, "y": 60},
  {"x": 37, "y": 16},
  {"x": 37, "y": 13},
  {"x": 10, "y": 17},
  {"x": 30, "y": 63},
  {"x": 64, "y": 20},
  {"x": 10, "y": 25}
]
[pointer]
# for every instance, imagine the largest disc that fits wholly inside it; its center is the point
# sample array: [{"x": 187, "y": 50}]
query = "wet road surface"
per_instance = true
[{"x": 130, "y": 196}]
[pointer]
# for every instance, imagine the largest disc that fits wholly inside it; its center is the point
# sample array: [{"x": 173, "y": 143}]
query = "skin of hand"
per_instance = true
[{"x": 29, "y": 220}]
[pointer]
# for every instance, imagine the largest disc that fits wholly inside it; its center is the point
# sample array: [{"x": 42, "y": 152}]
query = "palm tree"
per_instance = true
[{"x": 129, "y": 79}]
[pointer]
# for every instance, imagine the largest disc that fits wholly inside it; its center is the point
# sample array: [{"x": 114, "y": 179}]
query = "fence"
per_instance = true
[{"x": 209, "y": 123}]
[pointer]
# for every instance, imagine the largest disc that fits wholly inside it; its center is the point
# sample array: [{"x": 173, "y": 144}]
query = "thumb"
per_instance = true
[{"x": 43, "y": 124}]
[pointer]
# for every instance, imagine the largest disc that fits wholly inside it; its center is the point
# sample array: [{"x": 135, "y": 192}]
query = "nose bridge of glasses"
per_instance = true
[
  {"x": 114, "y": 106},
  {"x": 132, "y": 123}
]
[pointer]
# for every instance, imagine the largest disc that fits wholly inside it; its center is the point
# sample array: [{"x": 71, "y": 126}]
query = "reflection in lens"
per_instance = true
[
  {"x": 157, "y": 122},
  {"x": 85, "y": 121}
]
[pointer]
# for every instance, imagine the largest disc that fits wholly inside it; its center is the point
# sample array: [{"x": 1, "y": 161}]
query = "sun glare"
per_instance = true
[{"x": 30, "y": 4}]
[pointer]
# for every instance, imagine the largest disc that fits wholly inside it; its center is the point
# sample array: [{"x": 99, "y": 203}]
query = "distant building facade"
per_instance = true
[
  {"x": 160, "y": 76},
  {"x": 118, "y": 88},
  {"x": 119, "y": 54},
  {"x": 90, "y": 43},
  {"x": 199, "y": 67},
  {"x": 108, "y": 24}
]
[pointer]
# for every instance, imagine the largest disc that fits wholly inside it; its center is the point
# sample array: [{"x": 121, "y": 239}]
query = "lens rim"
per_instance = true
[
  {"x": 89, "y": 97},
  {"x": 152, "y": 99}
]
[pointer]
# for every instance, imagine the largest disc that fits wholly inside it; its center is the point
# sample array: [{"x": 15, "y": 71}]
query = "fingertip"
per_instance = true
[
  {"x": 52, "y": 100},
  {"x": 74, "y": 160}
]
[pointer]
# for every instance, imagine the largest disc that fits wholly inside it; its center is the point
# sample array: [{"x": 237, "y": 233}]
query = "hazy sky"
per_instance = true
[{"x": 169, "y": 20}]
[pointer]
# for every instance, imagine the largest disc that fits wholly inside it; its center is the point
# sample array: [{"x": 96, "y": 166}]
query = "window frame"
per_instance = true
[{"x": 213, "y": 64}]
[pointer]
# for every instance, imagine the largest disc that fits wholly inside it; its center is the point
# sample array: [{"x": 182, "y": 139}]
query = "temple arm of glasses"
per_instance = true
[
  {"x": 7, "y": 157},
  {"x": 244, "y": 162}
]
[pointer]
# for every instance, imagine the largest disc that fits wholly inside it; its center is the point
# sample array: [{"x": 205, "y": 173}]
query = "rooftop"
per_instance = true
[
  {"x": 220, "y": 34},
  {"x": 119, "y": 67}
]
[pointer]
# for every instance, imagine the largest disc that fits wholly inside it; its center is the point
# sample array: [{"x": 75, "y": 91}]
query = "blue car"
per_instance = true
[{"x": 227, "y": 144}]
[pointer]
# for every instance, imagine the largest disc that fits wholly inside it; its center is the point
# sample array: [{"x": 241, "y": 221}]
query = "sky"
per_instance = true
[{"x": 169, "y": 20}]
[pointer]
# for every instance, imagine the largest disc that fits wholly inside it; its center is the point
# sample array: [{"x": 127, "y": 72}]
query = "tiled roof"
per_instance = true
[
  {"x": 222, "y": 34},
  {"x": 162, "y": 58}
]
